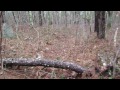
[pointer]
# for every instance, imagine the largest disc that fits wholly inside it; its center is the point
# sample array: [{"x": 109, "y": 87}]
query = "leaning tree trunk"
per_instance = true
[{"x": 100, "y": 24}]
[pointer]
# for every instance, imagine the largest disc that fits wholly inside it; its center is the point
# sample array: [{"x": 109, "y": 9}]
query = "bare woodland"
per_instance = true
[{"x": 59, "y": 44}]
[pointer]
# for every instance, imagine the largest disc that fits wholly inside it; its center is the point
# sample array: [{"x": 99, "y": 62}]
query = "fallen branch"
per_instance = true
[{"x": 47, "y": 63}]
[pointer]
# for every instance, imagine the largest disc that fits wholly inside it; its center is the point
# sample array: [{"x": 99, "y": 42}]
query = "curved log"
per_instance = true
[{"x": 44, "y": 62}]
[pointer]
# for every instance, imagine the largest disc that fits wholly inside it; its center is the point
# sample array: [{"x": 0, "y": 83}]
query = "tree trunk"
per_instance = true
[
  {"x": 14, "y": 17},
  {"x": 96, "y": 21},
  {"x": 40, "y": 18},
  {"x": 43, "y": 18},
  {"x": 65, "y": 12},
  {"x": 1, "y": 21},
  {"x": 109, "y": 19},
  {"x": 47, "y": 63},
  {"x": 30, "y": 17},
  {"x": 52, "y": 63},
  {"x": 100, "y": 24}
]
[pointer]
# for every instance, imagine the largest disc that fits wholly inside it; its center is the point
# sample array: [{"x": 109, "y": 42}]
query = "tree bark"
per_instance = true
[
  {"x": 47, "y": 63},
  {"x": 100, "y": 24}
]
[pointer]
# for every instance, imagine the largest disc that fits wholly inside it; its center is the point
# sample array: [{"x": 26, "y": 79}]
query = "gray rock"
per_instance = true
[{"x": 8, "y": 31}]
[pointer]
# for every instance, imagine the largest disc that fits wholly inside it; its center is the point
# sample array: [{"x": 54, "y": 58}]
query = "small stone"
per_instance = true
[
  {"x": 104, "y": 64},
  {"x": 1, "y": 72},
  {"x": 74, "y": 73},
  {"x": 78, "y": 60},
  {"x": 94, "y": 47},
  {"x": 46, "y": 48}
]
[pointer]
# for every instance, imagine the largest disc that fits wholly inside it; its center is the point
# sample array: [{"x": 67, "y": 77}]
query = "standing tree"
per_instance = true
[
  {"x": 30, "y": 17},
  {"x": 14, "y": 17},
  {"x": 1, "y": 21},
  {"x": 96, "y": 21},
  {"x": 65, "y": 18},
  {"x": 109, "y": 19},
  {"x": 100, "y": 24},
  {"x": 40, "y": 18}
]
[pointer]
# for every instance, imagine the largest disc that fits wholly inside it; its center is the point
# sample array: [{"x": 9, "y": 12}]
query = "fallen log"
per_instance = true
[{"x": 44, "y": 62}]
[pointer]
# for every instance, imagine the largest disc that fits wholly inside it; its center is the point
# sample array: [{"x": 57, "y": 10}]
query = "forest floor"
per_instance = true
[{"x": 55, "y": 44}]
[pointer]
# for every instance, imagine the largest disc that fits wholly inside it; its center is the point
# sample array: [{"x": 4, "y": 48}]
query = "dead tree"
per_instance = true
[
  {"x": 43, "y": 62},
  {"x": 50, "y": 63}
]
